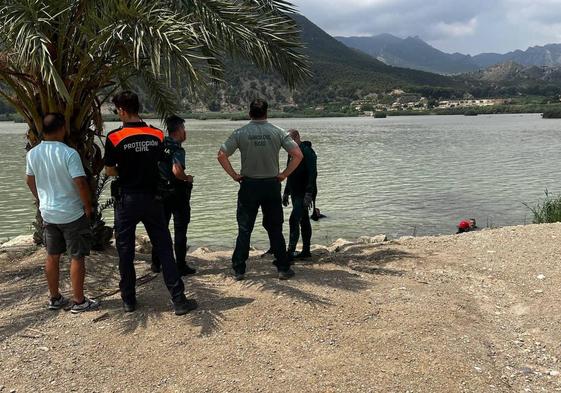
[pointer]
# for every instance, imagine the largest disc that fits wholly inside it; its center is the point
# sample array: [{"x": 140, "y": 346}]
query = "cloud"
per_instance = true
[
  {"x": 456, "y": 29},
  {"x": 454, "y": 25}
]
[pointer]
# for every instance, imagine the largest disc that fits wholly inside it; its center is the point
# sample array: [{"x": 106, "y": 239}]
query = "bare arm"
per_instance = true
[
  {"x": 179, "y": 173},
  {"x": 296, "y": 155},
  {"x": 85, "y": 195},
  {"x": 111, "y": 171},
  {"x": 30, "y": 180},
  {"x": 227, "y": 165}
]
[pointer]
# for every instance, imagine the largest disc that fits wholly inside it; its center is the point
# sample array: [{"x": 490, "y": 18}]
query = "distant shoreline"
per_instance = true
[{"x": 240, "y": 116}]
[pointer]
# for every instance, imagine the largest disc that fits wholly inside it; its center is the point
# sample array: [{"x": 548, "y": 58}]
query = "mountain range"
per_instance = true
[
  {"x": 341, "y": 74},
  {"x": 414, "y": 53}
]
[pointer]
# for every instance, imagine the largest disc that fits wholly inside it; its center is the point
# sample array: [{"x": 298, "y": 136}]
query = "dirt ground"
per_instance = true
[{"x": 477, "y": 312}]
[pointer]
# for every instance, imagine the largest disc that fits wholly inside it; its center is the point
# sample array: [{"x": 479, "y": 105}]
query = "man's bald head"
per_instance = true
[{"x": 295, "y": 135}]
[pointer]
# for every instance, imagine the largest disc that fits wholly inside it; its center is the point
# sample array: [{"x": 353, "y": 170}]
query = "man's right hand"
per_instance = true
[
  {"x": 237, "y": 177},
  {"x": 285, "y": 200},
  {"x": 88, "y": 212}
]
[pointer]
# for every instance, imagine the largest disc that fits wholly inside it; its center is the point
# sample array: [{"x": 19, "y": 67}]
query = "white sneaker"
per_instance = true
[{"x": 86, "y": 305}]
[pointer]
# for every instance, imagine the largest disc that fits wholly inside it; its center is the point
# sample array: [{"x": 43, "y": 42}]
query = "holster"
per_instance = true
[{"x": 116, "y": 190}]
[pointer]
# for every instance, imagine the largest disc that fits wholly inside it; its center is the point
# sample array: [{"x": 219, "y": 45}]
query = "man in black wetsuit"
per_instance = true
[{"x": 301, "y": 187}]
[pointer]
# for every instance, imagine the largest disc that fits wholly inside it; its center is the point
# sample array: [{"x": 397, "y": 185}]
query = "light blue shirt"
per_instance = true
[{"x": 54, "y": 166}]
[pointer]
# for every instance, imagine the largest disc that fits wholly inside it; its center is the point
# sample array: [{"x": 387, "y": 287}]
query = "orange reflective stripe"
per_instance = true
[{"x": 118, "y": 136}]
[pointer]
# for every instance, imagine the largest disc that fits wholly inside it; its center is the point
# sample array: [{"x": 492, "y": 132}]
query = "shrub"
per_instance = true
[{"x": 546, "y": 210}]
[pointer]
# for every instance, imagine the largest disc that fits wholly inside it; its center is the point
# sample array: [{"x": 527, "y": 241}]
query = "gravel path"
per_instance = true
[{"x": 478, "y": 312}]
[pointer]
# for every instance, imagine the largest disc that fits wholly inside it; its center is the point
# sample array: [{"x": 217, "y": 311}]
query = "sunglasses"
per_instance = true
[{"x": 115, "y": 110}]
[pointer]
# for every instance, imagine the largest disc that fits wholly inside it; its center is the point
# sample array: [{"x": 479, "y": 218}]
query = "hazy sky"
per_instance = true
[{"x": 465, "y": 26}]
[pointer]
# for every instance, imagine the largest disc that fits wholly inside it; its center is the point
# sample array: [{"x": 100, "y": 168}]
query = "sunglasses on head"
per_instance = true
[{"x": 115, "y": 110}]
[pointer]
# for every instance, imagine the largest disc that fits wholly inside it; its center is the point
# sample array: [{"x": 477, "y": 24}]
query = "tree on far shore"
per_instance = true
[{"x": 71, "y": 56}]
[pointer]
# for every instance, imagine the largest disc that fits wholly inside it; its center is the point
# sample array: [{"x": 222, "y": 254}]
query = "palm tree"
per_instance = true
[{"x": 70, "y": 56}]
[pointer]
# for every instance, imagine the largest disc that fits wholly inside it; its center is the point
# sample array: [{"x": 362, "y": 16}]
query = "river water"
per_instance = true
[{"x": 398, "y": 176}]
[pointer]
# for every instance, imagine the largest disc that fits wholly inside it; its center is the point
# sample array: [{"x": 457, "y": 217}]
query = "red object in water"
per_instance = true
[{"x": 463, "y": 224}]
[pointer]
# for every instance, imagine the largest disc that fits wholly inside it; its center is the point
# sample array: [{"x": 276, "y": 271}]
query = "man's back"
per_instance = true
[
  {"x": 259, "y": 143},
  {"x": 54, "y": 166},
  {"x": 135, "y": 149}
]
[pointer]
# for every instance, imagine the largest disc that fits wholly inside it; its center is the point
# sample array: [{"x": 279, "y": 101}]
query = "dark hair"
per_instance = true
[
  {"x": 127, "y": 101},
  {"x": 52, "y": 122},
  {"x": 173, "y": 123},
  {"x": 258, "y": 108}
]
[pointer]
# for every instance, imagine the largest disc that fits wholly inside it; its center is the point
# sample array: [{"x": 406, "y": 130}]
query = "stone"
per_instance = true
[
  {"x": 540, "y": 277},
  {"x": 338, "y": 244},
  {"x": 143, "y": 244},
  {"x": 18, "y": 243},
  {"x": 554, "y": 373},
  {"x": 372, "y": 239}
]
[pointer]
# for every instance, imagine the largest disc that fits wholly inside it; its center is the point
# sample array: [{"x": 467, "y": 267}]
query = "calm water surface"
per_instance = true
[{"x": 399, "y": 176}]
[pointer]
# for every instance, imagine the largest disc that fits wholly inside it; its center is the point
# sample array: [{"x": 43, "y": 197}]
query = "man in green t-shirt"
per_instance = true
[{"x": 260, "y": 184}]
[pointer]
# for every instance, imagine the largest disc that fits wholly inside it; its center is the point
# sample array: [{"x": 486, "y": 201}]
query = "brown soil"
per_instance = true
[{"x": 478, "y": 312}]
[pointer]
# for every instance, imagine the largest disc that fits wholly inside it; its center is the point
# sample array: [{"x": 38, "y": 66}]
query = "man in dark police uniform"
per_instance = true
[
  {"x": 132, "y": 153},
  {"x": 176, "y": 187}
]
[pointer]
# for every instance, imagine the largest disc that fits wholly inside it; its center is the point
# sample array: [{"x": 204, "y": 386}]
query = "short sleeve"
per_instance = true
[
  {"x": 28, "y": 166},
  {"x": 179, "y": 157},
  {"x": 110, "y": 158},
  {"x": 75, "y": 167},
  {"x": 287, "y": 142},
  {"x": 231, "y": 144}
]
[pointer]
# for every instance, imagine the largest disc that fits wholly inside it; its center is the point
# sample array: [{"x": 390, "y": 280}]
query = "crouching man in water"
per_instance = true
[
  {"x": 132, "y": 152},
  {"x": 260, "y": 184},
  {"x": 56, "y": 178},
  {"x": 301, "y": 186}
]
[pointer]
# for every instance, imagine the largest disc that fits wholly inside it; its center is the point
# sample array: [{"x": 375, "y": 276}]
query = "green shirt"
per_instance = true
[{"x": 259, "y": 143}]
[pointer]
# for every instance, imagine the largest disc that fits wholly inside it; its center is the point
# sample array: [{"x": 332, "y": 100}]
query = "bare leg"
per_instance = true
[
  {"x": 77, "y": 275},
  {"x": 52, "y": 273}
]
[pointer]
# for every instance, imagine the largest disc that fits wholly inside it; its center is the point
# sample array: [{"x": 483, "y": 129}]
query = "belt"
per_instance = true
[{"x": 265, "y": 179}]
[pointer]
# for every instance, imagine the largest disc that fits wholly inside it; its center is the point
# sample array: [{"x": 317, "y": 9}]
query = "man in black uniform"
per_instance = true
[
  {"x": 176, "y": 188},
  {"x": 260, "y": 184},
  {"x": 132, "y": 152},
  {"x": 301, "y": 186}
]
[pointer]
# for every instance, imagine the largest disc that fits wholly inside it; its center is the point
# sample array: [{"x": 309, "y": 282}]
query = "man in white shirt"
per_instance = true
[{"x": 56, "y": 178}]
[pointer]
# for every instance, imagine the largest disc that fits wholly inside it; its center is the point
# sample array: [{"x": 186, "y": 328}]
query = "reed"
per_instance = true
[{"x": 546, "y": 210}]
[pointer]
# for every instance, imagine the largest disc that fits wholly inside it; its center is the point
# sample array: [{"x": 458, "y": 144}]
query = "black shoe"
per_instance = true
[
  {"x": 155, "y": 268},
  {"x": 184, "y": 306},
  {"x": 302, "y": 255},
  {"x": 186, "y": 270},
  {"x": 285, "y": 275},
  {"x": 129, "y": 307},
  {"x": 239, "y": 276},
  {"x": 268, "y": 252}
]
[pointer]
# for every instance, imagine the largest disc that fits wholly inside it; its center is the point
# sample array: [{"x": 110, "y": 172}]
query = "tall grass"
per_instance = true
[{"x": 546, "y": 210}]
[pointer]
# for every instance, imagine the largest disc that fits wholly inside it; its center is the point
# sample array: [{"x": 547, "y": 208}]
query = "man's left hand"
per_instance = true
[
  {"x": 308, "y": 198},
  {"x": 280, "y": 177}
]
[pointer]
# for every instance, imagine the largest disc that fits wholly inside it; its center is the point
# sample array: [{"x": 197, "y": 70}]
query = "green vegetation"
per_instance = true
[
  {"x": 552, "y": 114},
  {"x": 547, "y": 210}
]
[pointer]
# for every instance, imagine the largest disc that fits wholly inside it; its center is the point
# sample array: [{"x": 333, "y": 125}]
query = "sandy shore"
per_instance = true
[{"x": 478, "y": 312}]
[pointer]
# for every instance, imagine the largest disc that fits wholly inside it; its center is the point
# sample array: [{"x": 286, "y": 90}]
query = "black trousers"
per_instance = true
[
  {"x": 130, "y": 210},
  {"x": 177, "y": 205},
  {"x": 299, "y": 218},
  {"x": 255, "y": 193}
]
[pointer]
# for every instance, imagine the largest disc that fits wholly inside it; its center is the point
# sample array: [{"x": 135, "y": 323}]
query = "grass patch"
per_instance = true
[{"x": 547, "y": 210}]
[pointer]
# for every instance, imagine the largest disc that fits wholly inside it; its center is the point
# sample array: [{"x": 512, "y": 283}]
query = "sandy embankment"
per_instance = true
[{"x": 477, "y": 312}]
